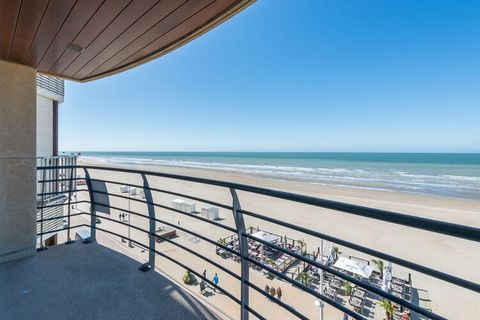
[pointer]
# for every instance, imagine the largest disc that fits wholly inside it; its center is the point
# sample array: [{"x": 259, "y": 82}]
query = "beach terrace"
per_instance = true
[{"x": 136, "y": 242}]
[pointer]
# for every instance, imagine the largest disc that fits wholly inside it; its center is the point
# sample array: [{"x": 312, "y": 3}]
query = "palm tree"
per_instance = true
[
  {"x": 388, "y": 307},
  {"x": 348, "y": 288},
  {"x": 379, "y": 264},
  {"x": 303, "y": 276}
]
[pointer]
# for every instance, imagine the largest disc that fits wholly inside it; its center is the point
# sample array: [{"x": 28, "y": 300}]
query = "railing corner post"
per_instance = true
[
  {"x": 93, "y": 216},
  {"x": 151, "y": 215},
  {"x": 240, "y": 226}
]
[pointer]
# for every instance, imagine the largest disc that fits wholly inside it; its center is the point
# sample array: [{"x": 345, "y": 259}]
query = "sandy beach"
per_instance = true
[{"x": 454, "y": 256}]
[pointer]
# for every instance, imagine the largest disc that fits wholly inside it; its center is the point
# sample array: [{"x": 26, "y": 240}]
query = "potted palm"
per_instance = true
[
  {"x": 303, "y": 277},
  {"x": 188, "y": 278},
  {"x": 388, "y": 307},
  {"x": 347, "y": 286},
  {"x": 379, "y": 264}
]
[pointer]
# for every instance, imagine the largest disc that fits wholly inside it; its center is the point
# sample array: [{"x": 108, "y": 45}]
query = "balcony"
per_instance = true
[
  {"x": 139, "y": 214},
  {"x": 91, "y": 282}
]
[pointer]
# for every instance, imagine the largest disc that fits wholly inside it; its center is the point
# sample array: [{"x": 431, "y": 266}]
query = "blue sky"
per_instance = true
[{"x": 288, "y": 75}]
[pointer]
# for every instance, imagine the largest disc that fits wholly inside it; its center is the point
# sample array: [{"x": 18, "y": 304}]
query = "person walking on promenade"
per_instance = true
[
  {"x": 279, "y": 293},
  {"x": 215, "y": 281}
]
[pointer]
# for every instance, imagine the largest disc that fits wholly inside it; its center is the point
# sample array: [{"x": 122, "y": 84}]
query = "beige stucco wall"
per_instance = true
[{"x": 17, "y": 161}]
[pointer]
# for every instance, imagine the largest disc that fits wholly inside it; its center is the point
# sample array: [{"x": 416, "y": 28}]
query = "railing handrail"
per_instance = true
[{"x": 436, "y": 226}]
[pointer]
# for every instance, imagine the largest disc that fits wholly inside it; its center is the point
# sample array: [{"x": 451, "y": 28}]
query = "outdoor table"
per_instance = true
[
  {"x": 398, "y": 280},
  {"x": 397, "y": 288},
  {"x": 356, "y": 302},
  {"x": 359, "y": 293},
  {"x": 330, "y": 292},
  {"x": 335, "y": 284}
]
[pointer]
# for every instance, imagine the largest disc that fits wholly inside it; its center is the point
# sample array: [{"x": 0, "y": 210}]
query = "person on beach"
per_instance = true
[
  {"x": 405, "y": 315},
  {"x": 204, "y": 273},
  {"x": 345, "y": 316},
  {"x": 215, "y": 281}
]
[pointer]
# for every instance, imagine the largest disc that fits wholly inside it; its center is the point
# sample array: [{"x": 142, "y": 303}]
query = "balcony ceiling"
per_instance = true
[{"x": 85, "y": 40}]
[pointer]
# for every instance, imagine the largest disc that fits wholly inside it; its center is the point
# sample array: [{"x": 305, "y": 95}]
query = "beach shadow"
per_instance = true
[
  {"x": 116, "y": 276},
  {"x": 208, "y": 293},
  {"x": 419, "y": 296}
]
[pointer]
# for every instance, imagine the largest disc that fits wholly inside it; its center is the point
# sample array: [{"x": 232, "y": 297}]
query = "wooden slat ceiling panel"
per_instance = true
[
  {"x": 86, "y": 39},
  {"x": 186, "y": 10},
  {"x": 127, "y": 17},
  {"x": 197, "y": 20},
  {"x": 102, "y": 18},
  {"x": 156, "y": 14},
  {"x": 9, "y": 11},
  {"x": 52, "y": 21},
  {"x": 27, "y": 23},
  {"x": 77, "y": 19}
]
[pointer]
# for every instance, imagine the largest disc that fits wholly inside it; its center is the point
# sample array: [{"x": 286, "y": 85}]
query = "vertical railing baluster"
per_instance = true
[
  {"x": 70, "y": 186},
  {"x": 42, "y": 247},
  {"x": 93, "y": 220},
  {"x": 151, "y": 214},
  {"x": 244, "y": 264}
]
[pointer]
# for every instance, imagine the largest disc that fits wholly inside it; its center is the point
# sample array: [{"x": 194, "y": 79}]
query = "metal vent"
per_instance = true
[{"x": 52, "y": 84}]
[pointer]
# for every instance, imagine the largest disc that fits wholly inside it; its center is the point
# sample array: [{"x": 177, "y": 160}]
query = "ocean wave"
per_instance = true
[{"x": 369, "y": 178}]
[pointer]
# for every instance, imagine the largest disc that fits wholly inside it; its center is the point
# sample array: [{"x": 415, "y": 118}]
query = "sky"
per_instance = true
[{"x": 285, "y": 75}]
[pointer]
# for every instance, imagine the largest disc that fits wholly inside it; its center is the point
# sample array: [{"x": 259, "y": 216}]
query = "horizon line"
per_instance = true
[{"x": 229, "y": 151}]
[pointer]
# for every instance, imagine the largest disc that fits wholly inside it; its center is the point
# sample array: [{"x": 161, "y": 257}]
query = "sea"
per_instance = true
[{"x": 455, "y": 175}]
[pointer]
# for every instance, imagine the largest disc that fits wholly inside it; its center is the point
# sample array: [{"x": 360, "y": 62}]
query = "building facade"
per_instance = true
[{"x": 50, "y": 94}]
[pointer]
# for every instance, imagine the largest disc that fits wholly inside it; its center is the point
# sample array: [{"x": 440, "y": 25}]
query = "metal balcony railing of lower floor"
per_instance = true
[{"x": 344, "y": 284}]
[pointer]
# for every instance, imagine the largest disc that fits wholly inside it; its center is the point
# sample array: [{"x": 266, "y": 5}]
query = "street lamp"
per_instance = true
[
  {"x": 320, "y": 303},
  {"x": 130, "y": 244}
]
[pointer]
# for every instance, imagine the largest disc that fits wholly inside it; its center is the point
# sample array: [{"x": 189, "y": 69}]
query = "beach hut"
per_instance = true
[
  {"x": 188, "y": 206},
  {"x": 177, "y": 204},
  {"x": 133, "y": 191},
  {"x": 360, "y": 269},
  {"x": 210, "y": 213}
]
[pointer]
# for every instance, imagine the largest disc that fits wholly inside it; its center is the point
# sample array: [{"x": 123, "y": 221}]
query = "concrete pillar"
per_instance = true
[{"x": 17, "y": 161}]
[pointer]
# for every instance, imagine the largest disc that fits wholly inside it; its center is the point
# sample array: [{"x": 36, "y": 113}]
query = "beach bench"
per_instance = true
[{"x": 167, "y": 233}]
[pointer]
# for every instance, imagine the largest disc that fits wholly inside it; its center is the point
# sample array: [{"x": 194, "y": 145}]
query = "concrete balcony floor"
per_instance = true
[{"x": 89, "y": 281}]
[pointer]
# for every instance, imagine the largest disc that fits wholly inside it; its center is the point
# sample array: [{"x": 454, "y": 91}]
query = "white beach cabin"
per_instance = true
[
  {"x": 186, "y": 206},
  {"x": 177, "y": 204},
  {"x": 210, "y": 213}
]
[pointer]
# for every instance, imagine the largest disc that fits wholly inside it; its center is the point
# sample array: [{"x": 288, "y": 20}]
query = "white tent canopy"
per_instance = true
[
  {"x": 387, "y": 277},
  {"x": 331, "y": 256},
  {"x": 355, "y": 267},
  {"x": 265, "y": 236}
]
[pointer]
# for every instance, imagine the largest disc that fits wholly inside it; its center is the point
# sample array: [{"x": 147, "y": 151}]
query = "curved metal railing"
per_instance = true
[{"x": 439, "y": 227}]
